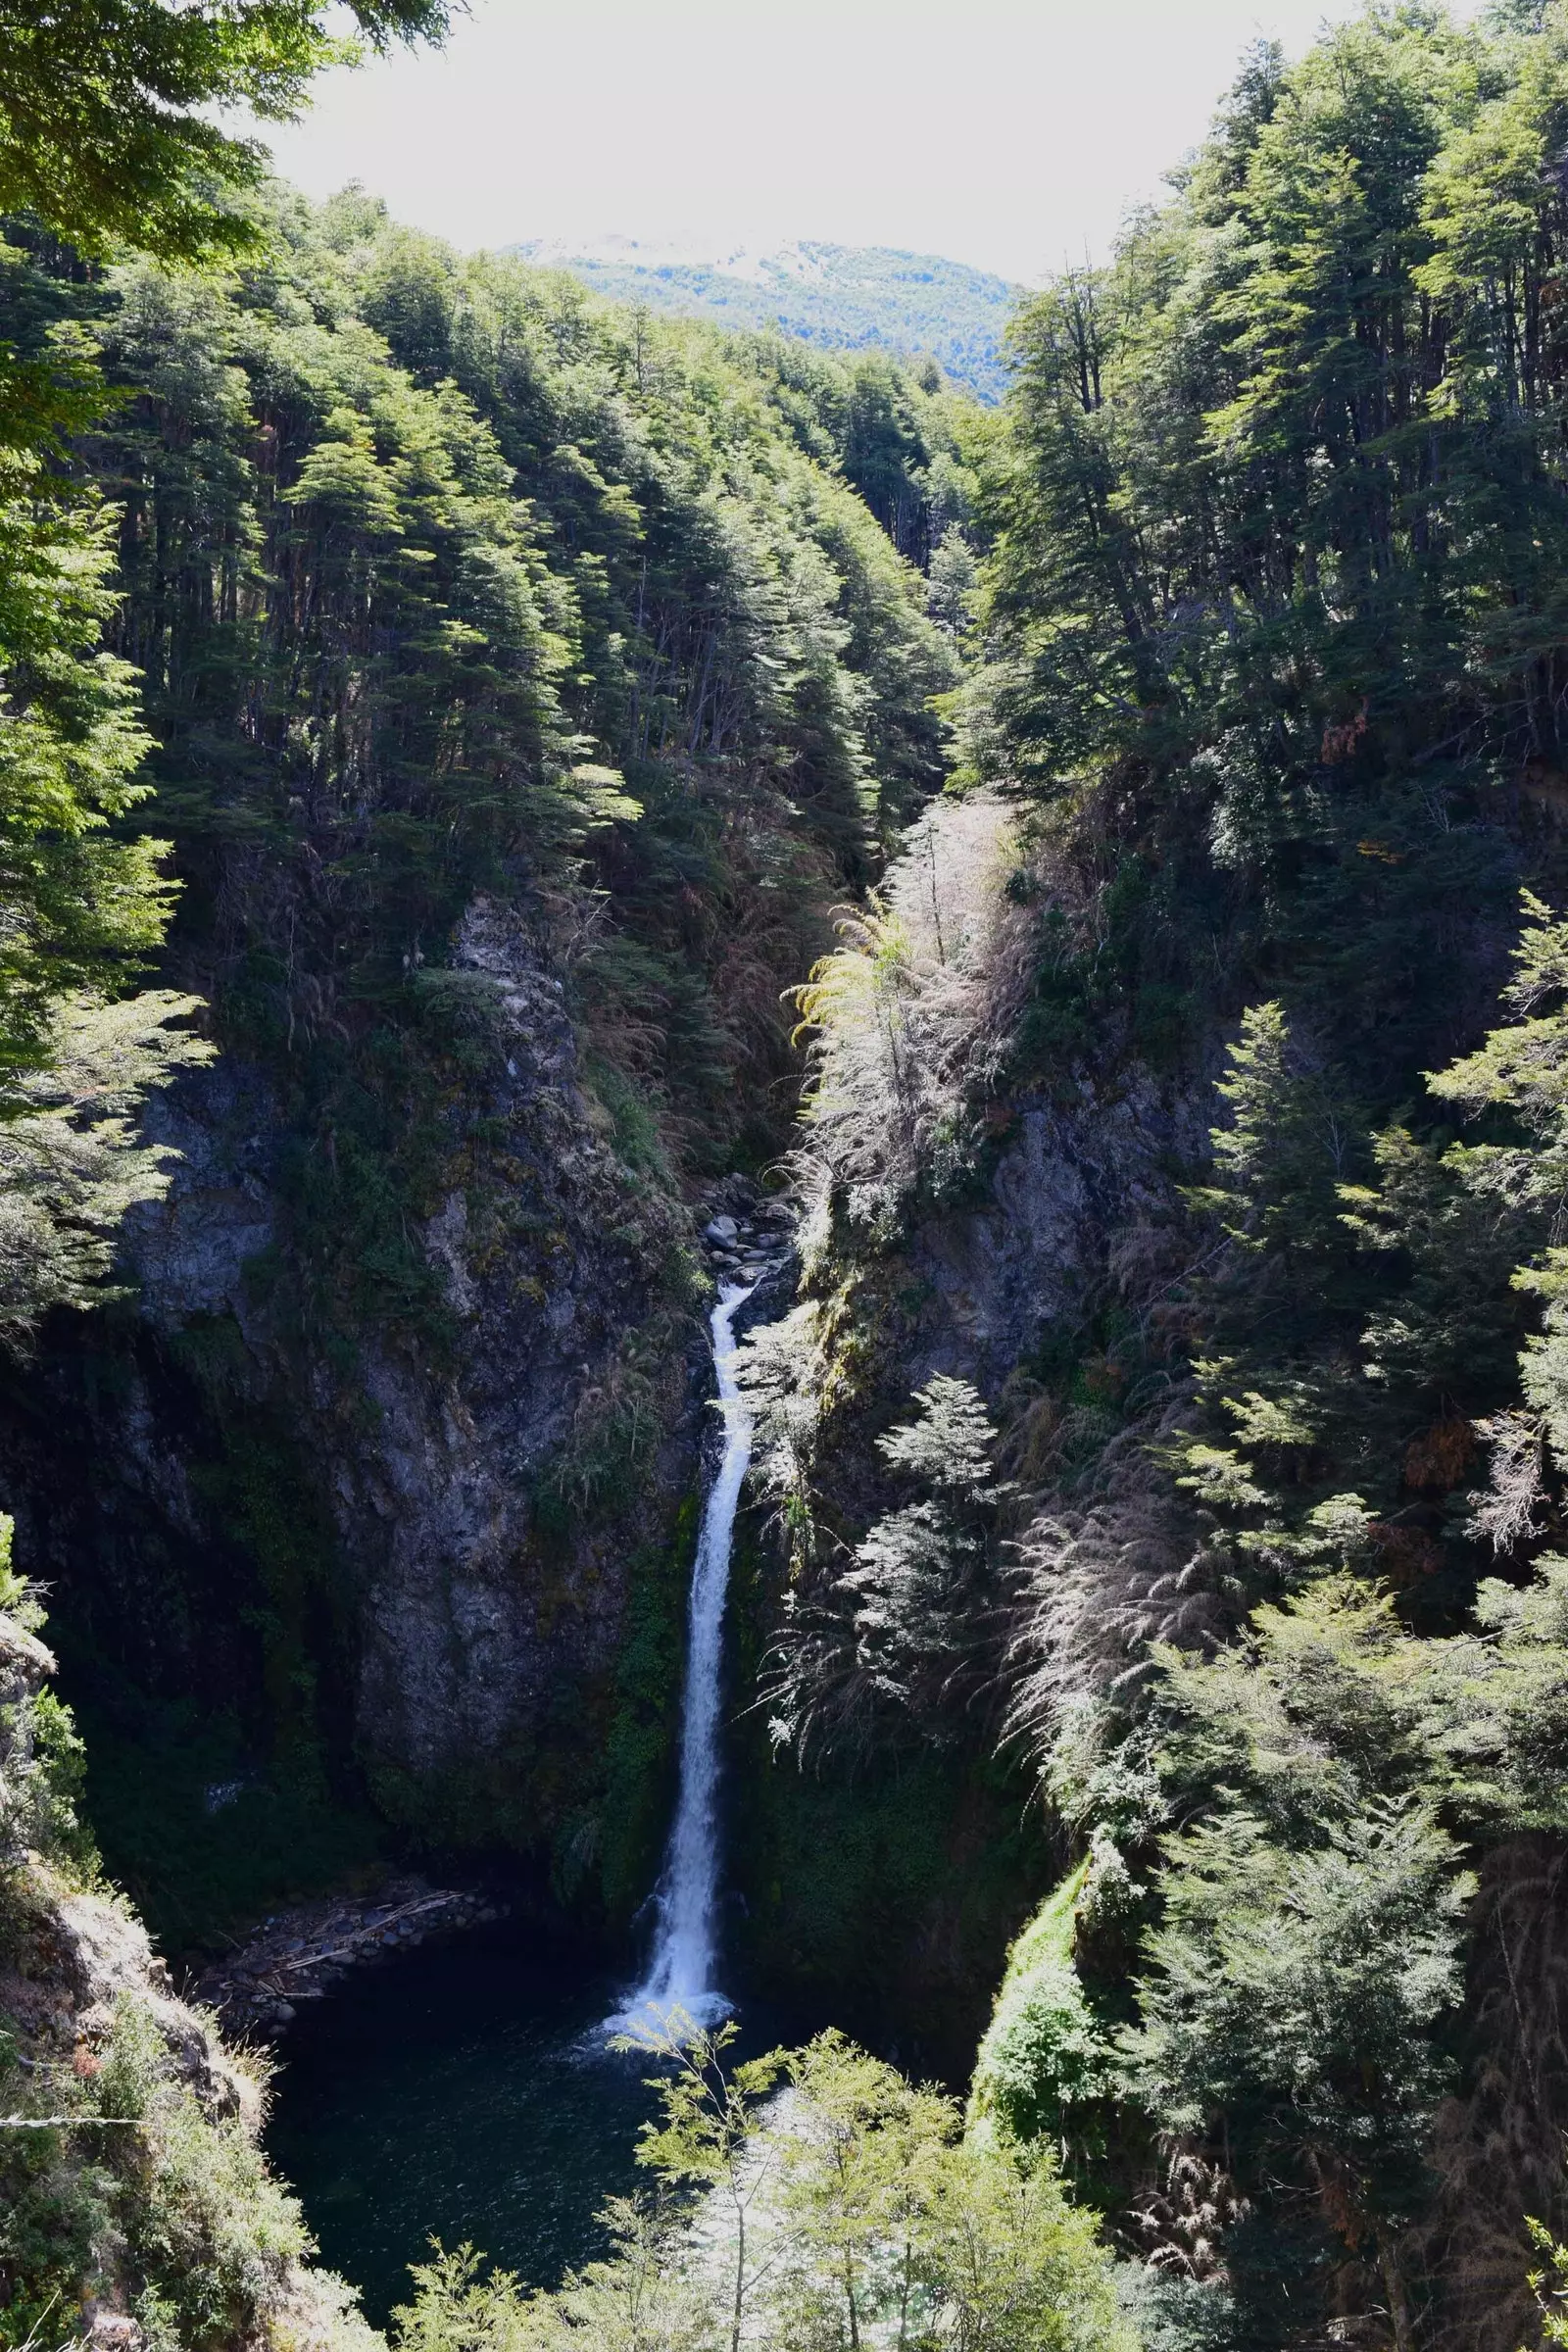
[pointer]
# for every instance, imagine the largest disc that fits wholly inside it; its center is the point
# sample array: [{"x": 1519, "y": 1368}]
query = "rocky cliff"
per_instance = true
[{"x": 418, "y": 1554}]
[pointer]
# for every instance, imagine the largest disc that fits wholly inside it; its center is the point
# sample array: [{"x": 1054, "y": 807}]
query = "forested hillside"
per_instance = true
[
  {"x": 1175, "y": 1396},
  {"x": 527, "y": 682},
  {"x": 476, "y": 698}
]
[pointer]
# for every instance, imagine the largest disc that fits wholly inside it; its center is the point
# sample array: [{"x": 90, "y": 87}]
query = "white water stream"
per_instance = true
[{"x": 680, "y": 1975}]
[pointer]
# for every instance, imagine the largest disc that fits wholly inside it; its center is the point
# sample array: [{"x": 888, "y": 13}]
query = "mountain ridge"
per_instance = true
[{"x": 838, "y": 297}]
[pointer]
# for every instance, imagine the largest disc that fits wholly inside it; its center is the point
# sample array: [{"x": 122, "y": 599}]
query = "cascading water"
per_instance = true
[{"x": 680, "y": 1974}]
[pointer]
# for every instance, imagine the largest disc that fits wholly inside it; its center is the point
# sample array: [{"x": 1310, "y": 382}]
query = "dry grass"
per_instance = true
[{"x": 911, "y": 1013}]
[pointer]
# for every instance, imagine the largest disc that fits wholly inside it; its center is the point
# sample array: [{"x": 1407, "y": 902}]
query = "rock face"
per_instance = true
[
  {"x": 1070, "y": 1192},
  {"x": 464, "y": 1509},
  {"x": 83, "y": 1954},
  {"x": 467, "y": 1621},
  {"x": 1069, "y": 1209}
]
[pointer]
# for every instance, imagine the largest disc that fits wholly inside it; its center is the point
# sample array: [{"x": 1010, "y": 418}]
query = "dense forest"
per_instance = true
[
  {"x": 1267, "y": 713},
  {"x": 490, "y": 777}
]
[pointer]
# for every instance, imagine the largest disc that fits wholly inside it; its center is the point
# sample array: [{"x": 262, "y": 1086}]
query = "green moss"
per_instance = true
[
  {"x": 258, "y": 1495},
  {"x": 634, "y": 1121},
  {"x": 1045, "y": 2067},
  {"x": 490, "y": 1804},
  {"x": 889, "y": 1896},
  {"x": 885, "y": 1897},
  {"x": 265, "y": 1586},
  {"x": 1042, "y": 2049},
  {"x": 196, "y": 1872},
  {"x": 614, "y": 1438},
  {"x": 640, "y": 1751}
]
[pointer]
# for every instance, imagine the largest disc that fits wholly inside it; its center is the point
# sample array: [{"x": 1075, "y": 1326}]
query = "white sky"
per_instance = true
[{"x": 1007, "y": 135}]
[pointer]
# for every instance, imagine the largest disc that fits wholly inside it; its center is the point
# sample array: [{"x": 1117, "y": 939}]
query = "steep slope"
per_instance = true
[
  {"x": 135, "y": 2207},
  {"x": 1172, "y": 1397},
  {"x": 527, "y": 682}
]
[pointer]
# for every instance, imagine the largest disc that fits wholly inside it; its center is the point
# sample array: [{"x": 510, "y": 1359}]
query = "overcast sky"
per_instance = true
[{"x": 1008, "y": 135}]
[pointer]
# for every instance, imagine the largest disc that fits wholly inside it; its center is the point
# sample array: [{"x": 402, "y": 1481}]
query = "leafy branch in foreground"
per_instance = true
[
  {"x": 71, "y": 1160},
  {"x": 867, "y": 2221},
  {"x": 105, "y": 130},
  {"x": 712, "y": 2133}
]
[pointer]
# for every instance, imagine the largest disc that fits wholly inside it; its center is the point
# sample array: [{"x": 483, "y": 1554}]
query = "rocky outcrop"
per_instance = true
[
  {"x": 468, "y": 1622},
  {"x": 79, "y": 1954},
  {"x": 1077, "y": 1191},
  {"x": 80, "y": 1986}
]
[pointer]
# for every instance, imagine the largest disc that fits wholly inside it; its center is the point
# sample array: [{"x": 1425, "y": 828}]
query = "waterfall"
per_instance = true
[{"x": 680, "y": 1974}]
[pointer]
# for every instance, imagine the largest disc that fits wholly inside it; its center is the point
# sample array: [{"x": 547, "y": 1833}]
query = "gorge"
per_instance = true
[{"x": 555, "y": 857}]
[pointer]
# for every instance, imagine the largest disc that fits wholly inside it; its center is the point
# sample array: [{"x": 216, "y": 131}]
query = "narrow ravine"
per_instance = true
[
  {"x": 682, "y": 1971},
  {"x": 472, "y": 2089}
]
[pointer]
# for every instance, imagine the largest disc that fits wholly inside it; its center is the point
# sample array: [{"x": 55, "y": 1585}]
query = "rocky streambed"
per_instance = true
[
  {"x": 296, "y": 1955},
  {"x": 747, "y": 1237}
]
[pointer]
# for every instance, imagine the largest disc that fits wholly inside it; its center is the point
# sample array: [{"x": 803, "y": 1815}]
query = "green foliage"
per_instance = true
[
  {"x": 88, "y": 904},
  {"x": 1274, "y": 1163},
  {"x": 1044, "y": 2067},
  {"x": 71, "y": 1160},
  {"x": 861, "y": 2172},
  {"x": 1270, "y": 614},
  {"x": 1222, "y": 484},
  {"x": 892, "y": 1641},
  {"x": 129, "y": 2167},
  {"x": 18, "y": 1598},
  {"x": 1301, "y": 1991},
  {"x": 444, "y": 581},
  {"x": 918, "y": 1573},
  {"x": 645, "y": 2297},
  {"x": 201, "y": 1867},
  {"x": 707, "y": 2136},
  {"x": 105, "y": 134},
  {"x": 42, "y": 1760},
  {"x": 640, "y": 1746},
  {"x": 870, "y": 2222},
  {"x": 1520, "y": 1071},
  {"x": 141, "y": 2171},
  {"x": 1549, "y": 2286},
  {"x": 1293, "y": 1994}
]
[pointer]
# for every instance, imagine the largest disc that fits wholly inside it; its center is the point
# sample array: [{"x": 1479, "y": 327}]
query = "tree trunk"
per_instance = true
[
  {"x": 1393, "y": 2287},
  {"x": 740, "y": 2275}
]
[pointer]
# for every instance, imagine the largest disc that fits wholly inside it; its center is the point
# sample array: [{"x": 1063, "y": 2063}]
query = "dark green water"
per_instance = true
[{"x": 460, "y": 2091}]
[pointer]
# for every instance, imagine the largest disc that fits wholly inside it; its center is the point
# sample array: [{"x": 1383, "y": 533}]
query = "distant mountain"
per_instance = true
[{"x": 844, "y": 297}]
